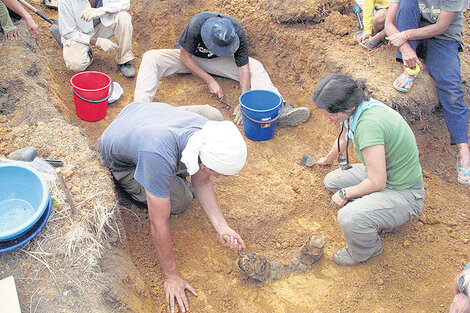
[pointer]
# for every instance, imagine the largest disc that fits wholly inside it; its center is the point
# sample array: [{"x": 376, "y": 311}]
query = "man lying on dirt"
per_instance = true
[
  {"x": 18, "y": 8},
  {"x": 150, "y": 148},
  {"x": 214, "y": 44},
  {"x": 91, "y": 22},
  {"x": 433, "y": 29}
]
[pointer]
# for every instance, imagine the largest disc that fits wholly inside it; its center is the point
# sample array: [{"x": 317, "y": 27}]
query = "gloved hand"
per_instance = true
[
  {"x": 105, "y": 44},
  {"x": 238, "y": 116},
  {"x": 91, "y": 13}
]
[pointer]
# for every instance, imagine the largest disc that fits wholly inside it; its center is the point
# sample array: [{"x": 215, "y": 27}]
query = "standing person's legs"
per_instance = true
[
  {"x": 362, "y": 218},
  {"x": 443, "y": 61},
  {"x": 180, "y": 192},
  {"x": 155, "y": 65},
  {"x": 77, "y": 56}
]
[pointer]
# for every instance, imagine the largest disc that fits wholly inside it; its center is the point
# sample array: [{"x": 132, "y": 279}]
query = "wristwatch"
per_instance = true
[
  {"x": 342, "y": 194},
  {"x": 463, "y": 282}
]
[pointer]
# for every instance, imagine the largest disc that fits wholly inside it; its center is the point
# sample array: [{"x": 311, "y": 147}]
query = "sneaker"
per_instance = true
[
  {"x": 344, "y": 258},
  {"x": 293, "y": 116},
  {"x": 127, "y": 69}
]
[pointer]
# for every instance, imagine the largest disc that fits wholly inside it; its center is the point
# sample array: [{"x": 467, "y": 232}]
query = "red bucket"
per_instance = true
[{"x": 91, "y": 94}]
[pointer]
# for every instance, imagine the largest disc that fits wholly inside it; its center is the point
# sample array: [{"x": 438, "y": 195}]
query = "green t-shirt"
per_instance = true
[{"x": 381, "y": 125}]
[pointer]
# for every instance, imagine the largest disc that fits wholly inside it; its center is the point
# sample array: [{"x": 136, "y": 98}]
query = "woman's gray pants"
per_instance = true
[{"x": 361, "y": 219}]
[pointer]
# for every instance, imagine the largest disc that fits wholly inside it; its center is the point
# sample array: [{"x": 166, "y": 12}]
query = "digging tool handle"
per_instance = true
[
  {"x": 29, "y": 6},
  {"x": 49, "y": 20}
]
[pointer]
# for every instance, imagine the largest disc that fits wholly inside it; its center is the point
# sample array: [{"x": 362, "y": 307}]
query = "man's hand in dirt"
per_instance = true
[
  {"x": 237, "y": 113},
  {"x": 33, "y": 28},
  {"x": 230, "y": 239},
  {"x": 338, "y": 201},
  {"x": 106, "y": 44},
  {"x": 324, "y": 162},
  {"x": 12, "y": 34},
  {"x": 175, "y": 287},
  {"x": 215, "y": 89},
  {"x": 91, "y": 13}
]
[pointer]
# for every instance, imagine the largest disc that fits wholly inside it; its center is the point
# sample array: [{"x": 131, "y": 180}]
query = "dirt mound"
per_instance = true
[{"x": 294, "y": 11}]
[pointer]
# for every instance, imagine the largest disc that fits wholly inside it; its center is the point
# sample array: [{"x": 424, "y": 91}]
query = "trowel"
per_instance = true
[
  {"x": 54, "y": 29},
  {"x": 308, "y": 161},
  {"x": 28, "y": 154}
]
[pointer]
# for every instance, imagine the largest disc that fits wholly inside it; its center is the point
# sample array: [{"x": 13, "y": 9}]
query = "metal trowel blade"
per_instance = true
[{"x": 308, "y": 161}]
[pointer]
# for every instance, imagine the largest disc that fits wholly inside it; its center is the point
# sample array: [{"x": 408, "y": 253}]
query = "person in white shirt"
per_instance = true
[{"x": 85, "y": 23}]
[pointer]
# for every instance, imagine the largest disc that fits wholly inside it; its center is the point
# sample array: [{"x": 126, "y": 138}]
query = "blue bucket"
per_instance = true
[
  {"x": 24, "y": 197},
  {"x": 261, "y": 109}
]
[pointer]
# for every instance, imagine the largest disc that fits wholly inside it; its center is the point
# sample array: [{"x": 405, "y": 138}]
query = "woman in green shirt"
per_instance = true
[{"x": 386, "y": 189}]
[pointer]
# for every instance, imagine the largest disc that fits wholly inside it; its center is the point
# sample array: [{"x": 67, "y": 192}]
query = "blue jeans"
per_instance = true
[{"x": 443, "y": 61}]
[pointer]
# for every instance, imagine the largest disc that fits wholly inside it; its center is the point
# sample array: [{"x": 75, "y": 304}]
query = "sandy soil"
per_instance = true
[{"x": 275, "y": 203}]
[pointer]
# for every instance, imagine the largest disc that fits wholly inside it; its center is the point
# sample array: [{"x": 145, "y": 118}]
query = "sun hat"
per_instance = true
[{"x": 219, "y": 36}]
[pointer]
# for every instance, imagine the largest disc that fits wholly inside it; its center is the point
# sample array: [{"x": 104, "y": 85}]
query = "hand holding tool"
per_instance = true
[{"x": 54, "y": 29}]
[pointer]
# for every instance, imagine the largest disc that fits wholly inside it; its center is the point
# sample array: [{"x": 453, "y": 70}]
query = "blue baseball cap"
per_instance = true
[{"x": 219, "y": 36}]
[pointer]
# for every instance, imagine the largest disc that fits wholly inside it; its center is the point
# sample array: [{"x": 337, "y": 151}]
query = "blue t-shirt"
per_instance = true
[
  {"x": 191, "y": 39},
  {"x": 149, "y": 137}
]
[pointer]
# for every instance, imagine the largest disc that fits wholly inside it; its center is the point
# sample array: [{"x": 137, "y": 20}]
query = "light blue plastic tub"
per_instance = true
[{"x": 24, "y": 197}]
